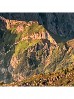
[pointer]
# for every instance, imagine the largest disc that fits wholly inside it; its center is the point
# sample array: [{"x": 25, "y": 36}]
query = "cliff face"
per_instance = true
[
  {"x": 28, "y": 49},
  {"x": 57, "y": 23},
  {"x": 25, "y": 46}
]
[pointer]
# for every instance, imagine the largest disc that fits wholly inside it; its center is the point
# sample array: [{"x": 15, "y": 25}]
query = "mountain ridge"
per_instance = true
[
  {"x": 25, "y": 38},
  {"x": 28, "y": 49}
]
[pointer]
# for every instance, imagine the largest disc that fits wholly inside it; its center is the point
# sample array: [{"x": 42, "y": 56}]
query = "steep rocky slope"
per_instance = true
[
  {"x": 58, "y": 23},
  {"x": 27, "y": 49}
]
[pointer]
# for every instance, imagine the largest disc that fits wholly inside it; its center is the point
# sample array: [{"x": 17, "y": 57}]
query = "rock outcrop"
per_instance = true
[
  {"x": 57, "y": 23},
  {"x": 26, "y": 46},
  {"x": 28, "y": 49}
]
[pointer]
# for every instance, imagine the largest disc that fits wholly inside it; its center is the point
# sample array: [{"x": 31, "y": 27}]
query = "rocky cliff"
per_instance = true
[
  {"x": 27, "y": 49},
  {"x": 57, "y": 23}
]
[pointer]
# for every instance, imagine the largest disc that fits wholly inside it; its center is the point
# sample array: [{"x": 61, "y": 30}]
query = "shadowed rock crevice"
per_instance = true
[{"x": 6, "y": 52}]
